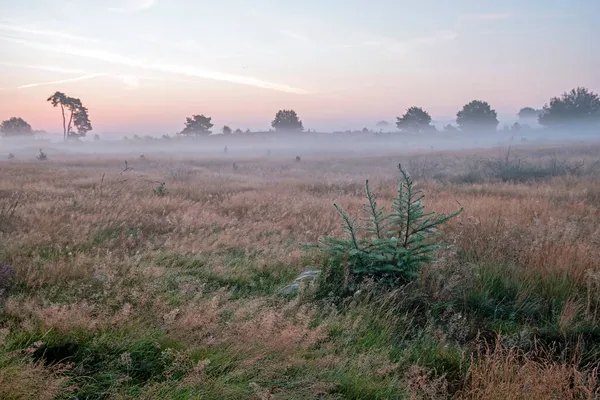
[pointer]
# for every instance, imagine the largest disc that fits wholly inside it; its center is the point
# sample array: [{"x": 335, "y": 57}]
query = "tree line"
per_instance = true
[{"x": 579, "y": 106}]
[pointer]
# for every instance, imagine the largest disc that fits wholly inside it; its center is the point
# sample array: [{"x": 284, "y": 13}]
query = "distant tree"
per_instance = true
[
  {"x": 516, "y": 127},
  {"x": 78, "y": 115},
  {"x": 238, "y": 131},
  {"x": 382, "y": 124},
  {"x": 365, "y": 130},
  {"x": 450, "y": 128},
  {"x": 477, "y": 116},
  {"x": 15, "y": 126},
  {"x": 197, "y": 125},
  {"x": 580, "y": 105},
  {"x": 96, "y": 137},
  {"x": 529, "y": 113},
  {"x": 287, "y": 120},
  {"x": 415, "y": 119},
  {"x": 81, "y": 120},
  {"x": 226, "y": 130},
  {"x": 248, "y": 131}
]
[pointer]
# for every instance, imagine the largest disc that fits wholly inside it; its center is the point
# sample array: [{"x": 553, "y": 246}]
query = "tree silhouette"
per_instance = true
[
  {"x": 197, "y": 125},
  {"x": 580, "y": 105},
  {"x": 78, "y": 115},
  {"x": 477, "y": 116},
  {"x": 81, "y": 120},
  {"x": 287, "y": 120},
  {"x": 15, "y": 126},
  {"x": 414, "y": 120},
  {"x": 450, "y": 128},
  {"x": 529, "y": 113},
  {"x": 238, "y": 131},
  {"x": 226, "y": 130}
]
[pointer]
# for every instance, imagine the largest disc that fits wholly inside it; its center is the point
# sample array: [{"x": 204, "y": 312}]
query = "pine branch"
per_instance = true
[
  {"x": 348, "y": 226},
  {"x": 377, "y": 217}
]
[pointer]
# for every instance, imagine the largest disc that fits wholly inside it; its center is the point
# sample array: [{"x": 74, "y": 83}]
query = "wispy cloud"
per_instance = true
[
  {"x": 50, "y": 68},
  {"x": 80, "y": 78},
  {"x": 437, "y": 37},
  {"x": 130, "y": 81},
  {"x": 487, "y": 16},
  {"x": 134, "y": 5},
  {"x": 294, "y": 35},
  {"x": 192, "y": 71},
  {"x": 43, "y": 32}
]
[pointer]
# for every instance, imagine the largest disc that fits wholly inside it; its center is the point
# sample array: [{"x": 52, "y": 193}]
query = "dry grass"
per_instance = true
[
  {"x": 502, "y": 373},
  {"x": 96, "y": 251}
]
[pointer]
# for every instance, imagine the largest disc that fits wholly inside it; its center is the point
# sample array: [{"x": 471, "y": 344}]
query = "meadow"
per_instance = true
[{"x": 163, "y": 280}]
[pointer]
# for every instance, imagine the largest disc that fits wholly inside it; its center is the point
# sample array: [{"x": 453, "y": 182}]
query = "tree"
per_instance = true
[
  {"x": 450, "y": 128},
  {"x": 394, "y": 245},
  {"x": 226, "y": 130},
  {"x": 238, "y": 131},
  {"x": 81, "y": 120},
  {"x": 529, "y": 113},
  {"x": 15, "y": 126},
  {"x": 477, "y": 116},
  {"x": 197, "y": 125},
  {"x": 78, "y": 115},
  {"x": 287, "y": 120},
  {"x": 580, "y": 105},
  {"x": 414, "y": 120}
]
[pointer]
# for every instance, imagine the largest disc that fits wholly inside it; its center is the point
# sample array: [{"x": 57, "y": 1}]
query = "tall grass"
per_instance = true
[{"x": 121, "y": 293}]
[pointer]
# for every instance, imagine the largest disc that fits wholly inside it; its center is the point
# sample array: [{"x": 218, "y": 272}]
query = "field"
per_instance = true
[{"x": 164, "y": 280}]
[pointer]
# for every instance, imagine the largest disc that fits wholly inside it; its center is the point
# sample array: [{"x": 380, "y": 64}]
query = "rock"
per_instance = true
[
  {"x": 289, "y": 290},
  {"x": 308, "y": 276},
  {"x": 293, "y": 289}
]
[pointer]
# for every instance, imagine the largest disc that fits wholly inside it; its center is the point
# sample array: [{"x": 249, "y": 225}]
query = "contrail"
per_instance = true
[
  {"x": 80, "y": 78},
  {"x": 50, "y": 68},
  {"x": 174, "y": 69},
  {"x": 43, "y": 32}
]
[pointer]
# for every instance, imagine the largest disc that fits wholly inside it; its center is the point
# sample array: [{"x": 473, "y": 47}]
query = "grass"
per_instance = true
[{"x": 122, "y": 292}]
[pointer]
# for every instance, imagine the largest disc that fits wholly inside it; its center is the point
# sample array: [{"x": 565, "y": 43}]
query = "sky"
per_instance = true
[{"x": 143, "y": 66}]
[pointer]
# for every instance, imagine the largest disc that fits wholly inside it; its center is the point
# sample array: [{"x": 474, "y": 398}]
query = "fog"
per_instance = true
[{"x": 276, "y": 144}]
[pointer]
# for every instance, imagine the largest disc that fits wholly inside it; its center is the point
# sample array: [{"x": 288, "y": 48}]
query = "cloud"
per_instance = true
[
  {"x": 486, "y": 17},
  {"x": 438, "y": 37},
  {"x": 50, "y": 68},
  {"x": 80, "y": 78},
  {"x": 294, "y": 35},
  {"x": 192, "y": 71},
  {"x": 134, "y": 5},
  {"x": 130, "y": 81},
  {"x": 43, "y": 32}
]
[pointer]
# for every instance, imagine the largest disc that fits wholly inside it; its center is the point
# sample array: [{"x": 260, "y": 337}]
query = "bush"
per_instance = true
[
  {"x": 42, "y": 156},
  {"x": 400, "y": 242},
  {"x": 161, "y": 190}
]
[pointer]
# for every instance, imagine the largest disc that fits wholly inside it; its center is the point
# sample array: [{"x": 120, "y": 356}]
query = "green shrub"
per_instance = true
[
  {"x": 396, "y": 245},
  {"x": 161, "y": 190}
]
